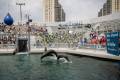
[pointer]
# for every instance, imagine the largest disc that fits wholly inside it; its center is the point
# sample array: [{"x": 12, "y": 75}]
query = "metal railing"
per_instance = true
[
  {"x": 70, "y": 45},
  {"x": 56, "y": 44},
  {"x": 7, "y": 46}
]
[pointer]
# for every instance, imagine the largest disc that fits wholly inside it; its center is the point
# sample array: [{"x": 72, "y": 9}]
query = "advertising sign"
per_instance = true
[{"x": 113, "y": 43}]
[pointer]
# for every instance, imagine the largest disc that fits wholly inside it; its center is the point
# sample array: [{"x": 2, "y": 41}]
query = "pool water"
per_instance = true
[{"x": 22, "y": 67}]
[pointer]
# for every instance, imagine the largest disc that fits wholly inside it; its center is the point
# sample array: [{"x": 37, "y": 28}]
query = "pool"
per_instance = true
[{"x": 22, "y": 67}]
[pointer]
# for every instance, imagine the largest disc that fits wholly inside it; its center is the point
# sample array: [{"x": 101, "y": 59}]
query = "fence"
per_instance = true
[
  {"x": 8, "y": 41},
  {"x": 69, "y": 45},
  {"x": 56, "y": 45},
  {"x": 7, "y": 46}
]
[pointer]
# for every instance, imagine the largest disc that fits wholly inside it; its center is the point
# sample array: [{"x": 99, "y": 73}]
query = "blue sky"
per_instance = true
[{"x": 75, "y": 9}]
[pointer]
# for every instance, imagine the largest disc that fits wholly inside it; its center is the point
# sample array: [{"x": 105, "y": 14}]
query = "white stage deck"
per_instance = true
[{"x": 87, "y": 52}]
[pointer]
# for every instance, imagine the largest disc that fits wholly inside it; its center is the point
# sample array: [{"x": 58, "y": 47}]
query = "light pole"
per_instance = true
[
  {"x": 45, "y": 39},
  {"x": 20, "y": 4},
  {"x": 29, "y": 30}
]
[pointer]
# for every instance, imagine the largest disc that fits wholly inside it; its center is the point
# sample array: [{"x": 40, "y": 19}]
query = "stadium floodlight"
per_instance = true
[{"x": 20, "y": 4}]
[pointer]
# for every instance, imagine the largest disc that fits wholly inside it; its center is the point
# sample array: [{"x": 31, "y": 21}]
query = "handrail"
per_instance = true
[
  {"x": 69, "y": 45},
  {"x": 7, "y": 46}
]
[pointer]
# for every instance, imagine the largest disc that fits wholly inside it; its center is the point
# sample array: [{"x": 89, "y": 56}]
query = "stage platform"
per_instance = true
[{"x": 85, "y": 52}]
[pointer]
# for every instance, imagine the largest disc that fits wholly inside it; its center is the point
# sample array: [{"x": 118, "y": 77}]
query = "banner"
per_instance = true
[{"x": 113, "y": 43}]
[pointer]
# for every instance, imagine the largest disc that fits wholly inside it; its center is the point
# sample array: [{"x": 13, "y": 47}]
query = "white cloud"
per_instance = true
[
  {"x": 75, "y": 9},
  {"x": 81, "y": 9},
  {"x": 32, "y": 7}
]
